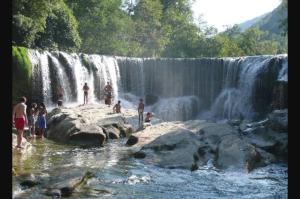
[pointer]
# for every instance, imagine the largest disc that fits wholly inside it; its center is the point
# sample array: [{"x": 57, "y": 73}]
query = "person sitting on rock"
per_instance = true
[
  {"x": 117, "y": 107},
  {"x": 149, "y": 115}
]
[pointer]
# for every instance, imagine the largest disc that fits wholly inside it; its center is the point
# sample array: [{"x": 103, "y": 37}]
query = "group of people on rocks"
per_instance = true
[
  {"x": 117, "y": 107},
  {"x": 35, "y": 120},
  {"x": 107, "y": 93}
]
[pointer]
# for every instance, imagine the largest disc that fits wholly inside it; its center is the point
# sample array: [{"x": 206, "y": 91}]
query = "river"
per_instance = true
[{"x": 118, "y": 175}]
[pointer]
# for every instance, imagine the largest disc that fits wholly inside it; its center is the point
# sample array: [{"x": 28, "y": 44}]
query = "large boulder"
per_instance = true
[
  {"x": 25, "y": 144},
  {"x": 66, "y": 187},
  {"x": 86, "y": 125},
  {"x": 192, "y": 144},
  {"x": 91, "y": 135},
  {"x": 176, "y": 149},
  {"x": 278, "y": 120}
]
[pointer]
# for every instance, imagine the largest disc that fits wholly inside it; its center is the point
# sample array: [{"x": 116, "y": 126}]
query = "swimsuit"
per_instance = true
[
  {"x": 41, "y": 122},
  {"x": 20, "y": 123},
  {"x": 31, "y": 120}
]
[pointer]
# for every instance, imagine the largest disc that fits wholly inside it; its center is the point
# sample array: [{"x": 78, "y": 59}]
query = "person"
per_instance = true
[
  {"x": 149, "y": 115},
  {"x": 60, "y": 94},
  {"x": 117, "y": 107},
  {"x": 85, "y": 96},
  {"x": 32, "y": 118},
  {"x": 108, "y": 93},
  {"x": 20, "y": 120},
  {"x": 41, "y": 121},
  {"x": 141, "y": 111}
]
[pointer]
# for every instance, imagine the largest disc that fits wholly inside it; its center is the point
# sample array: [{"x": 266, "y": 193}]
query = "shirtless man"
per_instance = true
[
  {"x": 85, "y": 95},
  {"x": 141, "y": 111},
  {"x": 117, "y": 107},
  {"x": 20, "y": 119},
  {"x": 108, "y": 93}
]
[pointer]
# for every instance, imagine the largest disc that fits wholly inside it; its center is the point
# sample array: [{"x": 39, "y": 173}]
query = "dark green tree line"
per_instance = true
[{"x": 143, "y": 28}]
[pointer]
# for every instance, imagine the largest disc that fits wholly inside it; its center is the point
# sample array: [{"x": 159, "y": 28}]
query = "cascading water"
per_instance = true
[
  {"x": 41, "y": 69},
  {"x": 174, "y": 89}
]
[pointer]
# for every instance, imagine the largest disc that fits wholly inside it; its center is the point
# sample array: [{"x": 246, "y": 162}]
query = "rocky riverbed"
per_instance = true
[
  {"x": 187, "y": 145},
  {"x": 114, "y": 147}
]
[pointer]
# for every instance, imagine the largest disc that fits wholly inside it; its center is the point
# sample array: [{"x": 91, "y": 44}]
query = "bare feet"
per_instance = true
[{"x": 19, "y": 147}]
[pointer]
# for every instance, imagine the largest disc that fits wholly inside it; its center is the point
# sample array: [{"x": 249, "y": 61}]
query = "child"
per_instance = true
[
  {"x": 32, "y": 118},
  {"x": 117, "y": 107},
  {"x": 141, "y": 111},
  {"x": 41, "y": 121}
]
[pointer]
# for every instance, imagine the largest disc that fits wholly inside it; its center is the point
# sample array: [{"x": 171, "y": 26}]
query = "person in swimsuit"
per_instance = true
[
  {"x": 60, "y": 94},
  {"x": 108, "y": 93},
  {"x": 141, "y": 111},
  {"x": 117, "y": 107},
  {"x": 41, "y": 121},
  {"x": 20, "y": 119},
  {"x": 85, "y": 93},
  {"x": 32, "y": 118}
]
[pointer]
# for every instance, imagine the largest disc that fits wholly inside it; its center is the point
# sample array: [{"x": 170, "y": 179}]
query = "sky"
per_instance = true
[{"x": 229, "y": 12}]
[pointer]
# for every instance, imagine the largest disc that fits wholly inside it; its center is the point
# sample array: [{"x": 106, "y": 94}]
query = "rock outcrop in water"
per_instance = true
[
  {"x": 89, "y": 125},
  {"x": 187, "y": 145},
  {"x": 196, "y": 143},
  {"x": 25, "y": 144}
]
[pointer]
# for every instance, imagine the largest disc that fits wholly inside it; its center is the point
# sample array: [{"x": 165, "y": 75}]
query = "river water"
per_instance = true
[{"x": 118, "y": 175}]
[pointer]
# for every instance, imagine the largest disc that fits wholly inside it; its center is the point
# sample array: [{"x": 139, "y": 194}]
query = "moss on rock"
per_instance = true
[{"x": 22, "y": 73}]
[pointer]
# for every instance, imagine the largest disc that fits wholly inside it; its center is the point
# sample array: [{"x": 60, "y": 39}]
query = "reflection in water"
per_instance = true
[{"x": 118, "y": 175}]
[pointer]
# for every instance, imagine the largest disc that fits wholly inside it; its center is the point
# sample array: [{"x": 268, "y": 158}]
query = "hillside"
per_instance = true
[
  {"x": 269, "y": 22},
  {"x": 247, "y": 24}
]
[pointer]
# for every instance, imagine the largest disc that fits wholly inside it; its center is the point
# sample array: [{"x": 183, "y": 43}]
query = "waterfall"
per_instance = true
[{"x": 173, "y": 88}]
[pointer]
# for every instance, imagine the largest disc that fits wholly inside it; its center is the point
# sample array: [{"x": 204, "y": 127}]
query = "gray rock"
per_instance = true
[
  {"x": 132, "y": 140},
  {"x": 66, "y": 187},
  {"x": 278, "y": 120},
  {"x": 111, "y": 131},
  {"x": 91, "y": 135},
  {"x": 175, "y": 149}
]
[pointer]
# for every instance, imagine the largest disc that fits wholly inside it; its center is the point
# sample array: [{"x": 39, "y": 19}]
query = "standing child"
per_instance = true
[
  {"x": 32, "y": 118},
  {"x": 41, "y": 121},
  {"x": 141, "y": 112}
]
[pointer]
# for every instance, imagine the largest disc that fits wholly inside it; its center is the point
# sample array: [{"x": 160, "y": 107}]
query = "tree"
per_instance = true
[
  {"x": 150, "y": 33},
  {"x": 252, "y": 43},
  {"x": 61, "y": 32},
  {"x": 29, "y": 19},
  {"x": 104, "y": 27},
  {"x": 184, "y": 35}
]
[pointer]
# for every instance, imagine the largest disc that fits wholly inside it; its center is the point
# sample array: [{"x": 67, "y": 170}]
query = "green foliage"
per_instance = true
[
  {"x": 150, "y": 33},
  {"x": 147, "y": 28},
  {"x": 22, "y": 72},
  {"x": 104, "y": 27},
  {"x": 46, "y": 24},
  {"x": 29, "y": 18},
  {"x": 252, "y": 43},
  {"x": 61, "y": 30}
]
